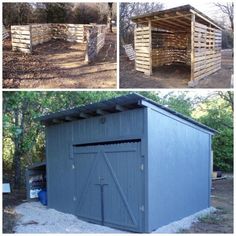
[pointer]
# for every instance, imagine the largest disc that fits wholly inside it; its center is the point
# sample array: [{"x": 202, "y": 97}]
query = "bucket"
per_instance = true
[{"x": 42, "y": 195}]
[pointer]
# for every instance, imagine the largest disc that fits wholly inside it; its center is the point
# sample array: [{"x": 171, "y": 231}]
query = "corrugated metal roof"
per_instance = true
[{"x": 117, "y": 104}]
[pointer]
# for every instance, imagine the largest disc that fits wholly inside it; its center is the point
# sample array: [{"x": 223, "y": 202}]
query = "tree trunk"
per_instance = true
[
  {"x": 109, "y": 18},
  {"x": 16, "y": 164}
]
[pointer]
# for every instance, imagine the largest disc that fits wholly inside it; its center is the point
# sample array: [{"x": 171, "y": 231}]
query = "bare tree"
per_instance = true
[
  {"x": 228, "y": 10},
  {"x": 109, "y": 17},
  {"x": 130, "y": 9}
]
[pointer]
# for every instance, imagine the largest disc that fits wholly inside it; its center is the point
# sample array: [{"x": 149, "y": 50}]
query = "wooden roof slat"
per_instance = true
[
  {"x": 182, "y": 11},
  {"x": 176, "y": 23},
  {"x": 172, "y": 26}
]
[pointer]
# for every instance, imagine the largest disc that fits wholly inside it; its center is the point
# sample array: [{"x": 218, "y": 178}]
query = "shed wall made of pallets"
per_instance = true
[
  {"x": 41, "y": 33},
  {"x": 168, "y": 48},
  {"x": 196, "y": 44},
  {"x": 21, "y": 38},
  {"x": 143, "y": 41},
  {"x": 207, "y": 51},
  {"x": 69, "y": 32},
  {"x": 24, "y": 37},
  {"x": 95, "y": 37}
]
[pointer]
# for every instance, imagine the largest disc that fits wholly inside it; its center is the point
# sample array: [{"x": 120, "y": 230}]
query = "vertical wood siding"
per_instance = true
[
  {"x": 178, "y": 169},
  {"x": 207, "y": 50},
  {"x": 142, "y": 50}
]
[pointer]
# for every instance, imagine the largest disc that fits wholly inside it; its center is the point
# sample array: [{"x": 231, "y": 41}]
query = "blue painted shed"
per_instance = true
[{"x": 127, "y": 163}]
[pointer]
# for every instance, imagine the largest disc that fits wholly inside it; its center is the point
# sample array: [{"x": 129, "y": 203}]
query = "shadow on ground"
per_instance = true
[
  {"x": 219, "y": 222},
  {"x": 174, "y": 76},
  {"x": 60, "y": 64}
]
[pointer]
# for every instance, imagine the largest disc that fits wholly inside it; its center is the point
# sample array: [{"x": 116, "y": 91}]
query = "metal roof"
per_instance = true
[
  {"x": 114, "y": 105},
  {"x": 185, "y": 9}
]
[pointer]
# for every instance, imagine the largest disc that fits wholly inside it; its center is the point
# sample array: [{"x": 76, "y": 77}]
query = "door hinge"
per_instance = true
[
  {"x": 142, "y": 167},
  {"x": 141, "y": 208}
]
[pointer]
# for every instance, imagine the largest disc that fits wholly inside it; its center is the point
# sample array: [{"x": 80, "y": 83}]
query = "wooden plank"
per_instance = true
[
  {"x": 150, "y": 47},
  {"x": 209, "y": 72},
  {"x": 25, "y": 50},
  {"x": 192, "y": 46},
  {"x": 20, "y": 27}
]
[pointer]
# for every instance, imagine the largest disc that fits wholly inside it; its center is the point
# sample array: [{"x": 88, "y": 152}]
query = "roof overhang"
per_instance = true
[
  {"x": 175, "y": 19},
  {"x": 114, "y": 105}
]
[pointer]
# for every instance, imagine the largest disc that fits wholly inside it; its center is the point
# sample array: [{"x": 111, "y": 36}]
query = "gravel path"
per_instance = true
[{"x": 36, "y": 218}]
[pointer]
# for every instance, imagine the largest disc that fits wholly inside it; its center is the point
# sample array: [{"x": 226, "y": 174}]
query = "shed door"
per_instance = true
[{"x": 108, "y": 184}]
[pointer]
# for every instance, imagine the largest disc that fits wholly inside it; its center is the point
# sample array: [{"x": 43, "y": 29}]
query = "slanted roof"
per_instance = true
[
  {"x": 114, "y": 105},
  {"x": 178, "y": 18}
]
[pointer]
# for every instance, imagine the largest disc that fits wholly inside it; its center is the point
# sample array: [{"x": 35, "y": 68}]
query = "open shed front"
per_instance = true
[{"x": 181, "y": 35}]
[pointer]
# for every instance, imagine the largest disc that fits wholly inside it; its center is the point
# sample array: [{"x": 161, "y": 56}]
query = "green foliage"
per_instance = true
[
  {"x": 23, "y": 135},
  {"x": 217, "y": 113},
  {"x": 60, "y": 12}
]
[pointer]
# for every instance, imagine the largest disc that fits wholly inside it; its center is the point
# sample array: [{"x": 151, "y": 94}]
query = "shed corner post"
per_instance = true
[
  {"x": 191, "y": 83},
  {"x": 150, "y": 46},
  {"x": 135, "y": 28},
  {"x": 87, "y": 34}
]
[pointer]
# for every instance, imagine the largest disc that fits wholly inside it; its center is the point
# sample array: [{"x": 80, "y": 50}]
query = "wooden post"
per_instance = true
[
  {"x": 30, "y": 29},
  {"x": 87, "y": 59},
  {"x": 192, "y": 47},
  {"x": 135, "y": 27},
  {"x": 150, "y": 46}
]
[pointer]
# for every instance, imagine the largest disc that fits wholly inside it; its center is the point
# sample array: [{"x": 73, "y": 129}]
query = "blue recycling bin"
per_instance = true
[{"x": 42, "y": 195}]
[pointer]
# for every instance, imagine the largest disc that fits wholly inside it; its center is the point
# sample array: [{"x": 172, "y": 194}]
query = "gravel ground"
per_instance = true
[{"x": 36, "y": 218}]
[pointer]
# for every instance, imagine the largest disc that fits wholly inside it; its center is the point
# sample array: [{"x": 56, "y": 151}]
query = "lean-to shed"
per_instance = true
[
  {"x": 128, "y": 163},
  {"x": 178, "y": 35}
]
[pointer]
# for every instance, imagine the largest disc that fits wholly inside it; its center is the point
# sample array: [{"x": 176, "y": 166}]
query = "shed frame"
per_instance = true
[
  {"x": 88, "y": 127},
  {"x": 25, "y": 37},
  {"x": 178, "y": 35}
]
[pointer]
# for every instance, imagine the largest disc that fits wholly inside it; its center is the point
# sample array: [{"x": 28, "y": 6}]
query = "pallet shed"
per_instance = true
[
  {"x": 127, "y": 163},
  {"x": 178, "y": 35}
]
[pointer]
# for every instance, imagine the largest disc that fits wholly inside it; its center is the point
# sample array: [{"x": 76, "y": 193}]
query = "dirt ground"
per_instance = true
[
  {"x": 60, "y": 64},
  {"x": 174, "y": 76},
  {"x": 222, "y": 220},
  {"x": 9, "y": 215},
  {"x": 219, "y": 222}
]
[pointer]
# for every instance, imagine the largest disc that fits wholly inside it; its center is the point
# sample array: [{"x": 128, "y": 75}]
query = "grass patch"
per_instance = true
[{"x": 210, "y": 219}]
